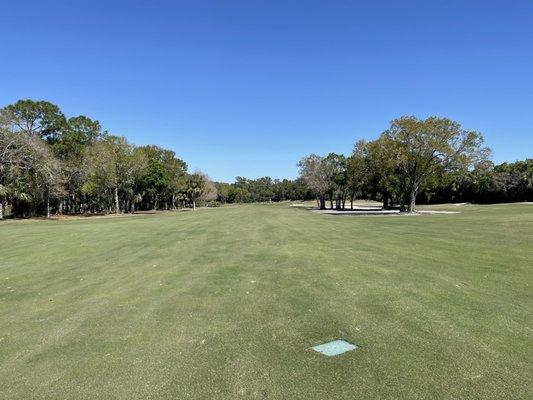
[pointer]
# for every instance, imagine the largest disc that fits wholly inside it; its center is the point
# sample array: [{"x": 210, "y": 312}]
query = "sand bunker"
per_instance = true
[
  {"x": 378, "y": 211},
  {"x": 358, "y": 211},
  {"x": 437, "y": 212}
]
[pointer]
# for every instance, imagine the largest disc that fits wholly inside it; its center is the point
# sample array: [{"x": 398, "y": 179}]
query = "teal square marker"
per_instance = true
[{"x": 334, "y": 348}]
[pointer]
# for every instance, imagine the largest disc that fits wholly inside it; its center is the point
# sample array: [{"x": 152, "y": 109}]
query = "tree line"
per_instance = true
[
  {"x": 264, "y": 189},
  {"x": 417, "y": 160},
  {"x": 53, "y": 164}
]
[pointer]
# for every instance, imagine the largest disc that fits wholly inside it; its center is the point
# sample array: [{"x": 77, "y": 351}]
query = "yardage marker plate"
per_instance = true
[{"x": 334, "y": 348}]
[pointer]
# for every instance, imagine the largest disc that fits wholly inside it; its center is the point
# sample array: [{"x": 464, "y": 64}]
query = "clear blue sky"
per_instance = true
[{"x": 249, "y": 87}]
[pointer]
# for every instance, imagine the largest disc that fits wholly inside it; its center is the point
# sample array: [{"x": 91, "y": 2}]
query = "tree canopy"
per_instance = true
[
  {"x": 53, "y": 164},
  {"x": 420, "y": 149},
  {"x": 50, "y": 163}
]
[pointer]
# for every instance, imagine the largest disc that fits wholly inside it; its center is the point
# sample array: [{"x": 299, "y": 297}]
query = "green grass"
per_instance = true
[{"x": 226, "y": 303}]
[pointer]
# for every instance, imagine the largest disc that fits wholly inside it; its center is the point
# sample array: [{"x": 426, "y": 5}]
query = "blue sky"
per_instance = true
[{"x": 249, "y": 87}]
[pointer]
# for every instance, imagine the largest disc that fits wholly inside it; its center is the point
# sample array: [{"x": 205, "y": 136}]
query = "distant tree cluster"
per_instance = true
[
  {"x": 485, "y": 183},
  {"x": 53, "y": 164},
  {"x": 263, "y": 189},
  {"x": 431, "y": 160}
]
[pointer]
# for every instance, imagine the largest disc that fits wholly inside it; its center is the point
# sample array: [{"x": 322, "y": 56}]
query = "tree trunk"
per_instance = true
[
  {"x": 322, "y": 202},
  {"x": 351, "y": 203},
  {"x": 385, "y": 201},
  {"x": 412, "y": 200},
  {"x": 117, "y": 205},
  {"x": 1, "y": 209},
  {"x": 60, "y": 207},
  {"x": 194, "y": 205},
  {"x": 48, "y": 205}
]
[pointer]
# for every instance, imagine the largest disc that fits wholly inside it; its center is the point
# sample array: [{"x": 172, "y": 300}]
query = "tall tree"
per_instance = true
[
  {"x": 16, "y": 159},
  {"x": 28, "y": 170},
  {"x": 164, "y": 177},
  {"x": 113, "y": 167},
  {"x": 176, "y": 171},
  {"x": 335, "y": 164},
  {"x": 357, "y": 173},
  {"x": 317, "y": 175},
  {"x": 70, "y": 147},
  {"x": 199, "y": 186},
  {"x": 48, "y": 174},
  {"x": 382, "y": 169},
  {"x": 424, "y": 146},
  {"x": 40, "y": 118}
]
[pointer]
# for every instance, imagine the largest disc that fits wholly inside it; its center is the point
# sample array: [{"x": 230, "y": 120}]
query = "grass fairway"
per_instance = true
[{"x": 226, "y": 303}]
